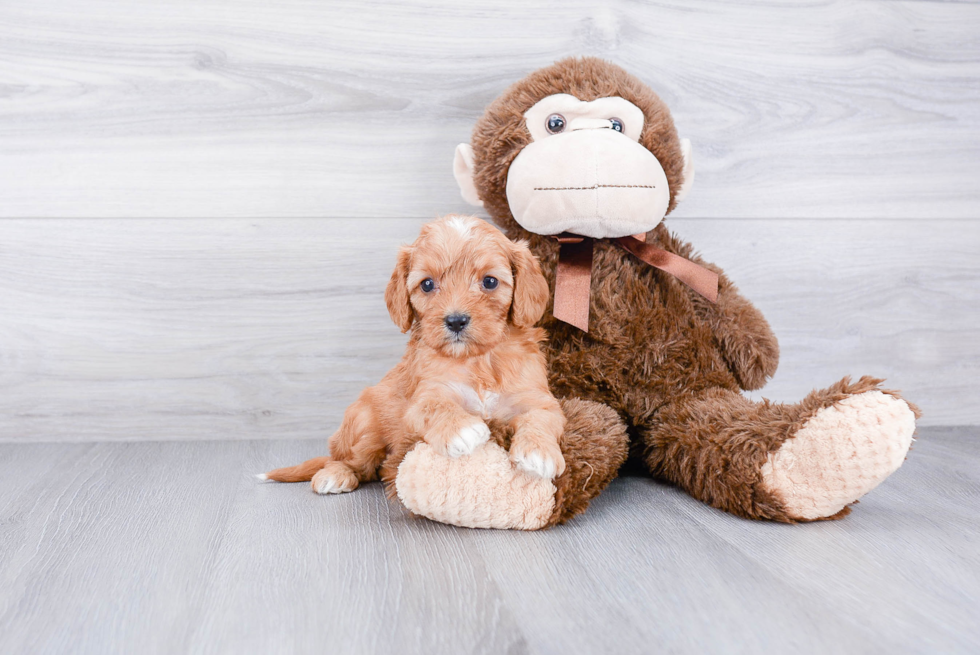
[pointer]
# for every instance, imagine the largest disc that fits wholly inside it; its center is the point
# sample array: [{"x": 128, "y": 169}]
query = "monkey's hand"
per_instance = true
[{"x": 748, "y": 344}]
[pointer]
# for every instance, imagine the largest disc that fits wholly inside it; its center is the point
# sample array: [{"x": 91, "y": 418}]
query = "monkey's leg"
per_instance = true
[
  {"x": 595, "y": 445},
  {"x": 785, "y": 462},
  {"x": 485, "y": 490}
]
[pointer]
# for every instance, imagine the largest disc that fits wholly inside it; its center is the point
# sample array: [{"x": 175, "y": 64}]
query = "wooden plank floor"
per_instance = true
[{"x": 163, "y": 547}]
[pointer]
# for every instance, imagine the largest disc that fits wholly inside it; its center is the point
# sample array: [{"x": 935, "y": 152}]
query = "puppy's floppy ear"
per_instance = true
[
  {"x": 396, "y": 294},
  {"x": 530, "y": 287}
]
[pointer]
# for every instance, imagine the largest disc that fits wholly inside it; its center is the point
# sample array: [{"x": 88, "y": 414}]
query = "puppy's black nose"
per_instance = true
[{"x": 456, "y": 322}]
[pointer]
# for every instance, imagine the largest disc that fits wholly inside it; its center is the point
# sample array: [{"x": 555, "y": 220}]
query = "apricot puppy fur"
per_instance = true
[{"x": 471, "y": 298}]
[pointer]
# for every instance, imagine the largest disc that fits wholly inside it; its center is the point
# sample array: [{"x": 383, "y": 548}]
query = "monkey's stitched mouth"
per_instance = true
[{"x": 594, "y": 186}]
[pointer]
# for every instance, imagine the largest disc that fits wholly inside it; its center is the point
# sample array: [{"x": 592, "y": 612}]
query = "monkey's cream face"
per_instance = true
[{"x": 585, "y": 171}]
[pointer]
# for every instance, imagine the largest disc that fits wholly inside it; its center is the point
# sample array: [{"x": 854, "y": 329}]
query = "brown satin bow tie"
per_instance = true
[{"x": 573, "y": 277}]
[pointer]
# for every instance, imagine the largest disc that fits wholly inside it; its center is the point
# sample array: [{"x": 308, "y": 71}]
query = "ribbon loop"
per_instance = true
[
  {"x": 573, "y": 282},
  {"x": 699, "y": 278},
  {"x": 573, "y": 276}
]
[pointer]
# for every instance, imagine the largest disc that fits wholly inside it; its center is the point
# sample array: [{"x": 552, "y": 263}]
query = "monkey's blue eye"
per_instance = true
[
  {"x": 489, "y": 283},
  {"x": 556, "y": 123},
  {"x": 617, "y": 124},
  {"x": 427, "y": 285}
]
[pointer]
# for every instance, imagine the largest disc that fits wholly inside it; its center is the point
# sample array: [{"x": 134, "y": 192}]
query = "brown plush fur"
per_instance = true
[
  {"x": 595, "y": 445},
  {"x": 668, "y": 362},
  {"x": 428, "y": 394},
  {"x": 714, "y": 443}
]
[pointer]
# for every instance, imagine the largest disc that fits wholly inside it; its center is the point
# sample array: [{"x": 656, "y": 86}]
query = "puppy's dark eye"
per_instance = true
[
  {"x": 617, "y": 124},
  {"x": 556, "y": 123},
  {"x": 427, "y": 285},
  {"x": 489, "y": 283}
]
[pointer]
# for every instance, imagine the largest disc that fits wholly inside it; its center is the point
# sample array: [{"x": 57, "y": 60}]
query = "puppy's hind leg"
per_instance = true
[
  {"x": 356, "y": 451},
  {"x": 328, "y": 476},
  {"x": 335, "y": 478}
]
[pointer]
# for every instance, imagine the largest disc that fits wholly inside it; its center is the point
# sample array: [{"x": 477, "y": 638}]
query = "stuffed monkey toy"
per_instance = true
[{"x": 650, "y": 347}]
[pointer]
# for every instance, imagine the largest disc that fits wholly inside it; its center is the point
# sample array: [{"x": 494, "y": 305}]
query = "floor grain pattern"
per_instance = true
[{"x": 164, "y": 547}]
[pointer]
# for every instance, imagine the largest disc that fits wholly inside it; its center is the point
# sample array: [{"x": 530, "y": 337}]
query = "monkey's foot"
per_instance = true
[
  {"x": 841, "y": 453},
  {"x": 481, "y": 490}
]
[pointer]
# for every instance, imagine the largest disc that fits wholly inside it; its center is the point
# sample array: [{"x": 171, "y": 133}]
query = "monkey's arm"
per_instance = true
[{"x": 747, "y": 342}]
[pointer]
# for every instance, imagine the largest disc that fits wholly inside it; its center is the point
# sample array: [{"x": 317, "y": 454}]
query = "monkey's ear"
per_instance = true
[
  {"x": 688, "y": 171},
  {"x": 396, "y": 294},
  {"x": 463, "y": 171},
  {"x": 530, "y": 287}
]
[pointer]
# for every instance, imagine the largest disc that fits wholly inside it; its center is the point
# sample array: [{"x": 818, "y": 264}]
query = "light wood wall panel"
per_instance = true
[
  {"x": 214, "y": 108},
  {"x": 241, "y": 173},
  {"x": 130, "y": 329}
]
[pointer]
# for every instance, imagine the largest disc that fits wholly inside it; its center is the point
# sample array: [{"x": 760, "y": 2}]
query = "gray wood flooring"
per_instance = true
[{"x": 157, "y": 547}]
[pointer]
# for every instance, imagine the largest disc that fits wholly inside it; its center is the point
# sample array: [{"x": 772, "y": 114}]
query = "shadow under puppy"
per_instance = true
[{"x": 470, "y": 297}]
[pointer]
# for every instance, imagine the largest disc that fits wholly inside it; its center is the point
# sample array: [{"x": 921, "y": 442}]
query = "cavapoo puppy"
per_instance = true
[{"x": 471, "y": 298}]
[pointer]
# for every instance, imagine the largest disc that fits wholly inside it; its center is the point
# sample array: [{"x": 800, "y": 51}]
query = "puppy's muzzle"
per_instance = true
[{"x": 457, "y": 322}]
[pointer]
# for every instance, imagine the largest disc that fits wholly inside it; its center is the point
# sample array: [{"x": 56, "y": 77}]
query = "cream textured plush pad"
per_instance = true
[
  {"x": 840, "y": 454},
  {"x": 499, "y": 496}
]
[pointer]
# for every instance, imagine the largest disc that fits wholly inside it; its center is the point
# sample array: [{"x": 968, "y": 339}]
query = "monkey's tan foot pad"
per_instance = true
[
  {"x": 481, "y": 490},
  {"x": 841, "y": 453}
]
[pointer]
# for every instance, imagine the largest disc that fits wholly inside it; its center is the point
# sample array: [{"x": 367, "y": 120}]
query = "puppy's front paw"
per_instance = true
[
  {"x": 543, "y": 460},
  {"x": 468, "y": 439}
]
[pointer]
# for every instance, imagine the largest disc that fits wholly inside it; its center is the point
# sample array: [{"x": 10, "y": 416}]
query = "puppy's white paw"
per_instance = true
[
  {"x": 468, "y": 439},
  {"x": 326, "y": 483},
  {"x": 536, "y": 463}
]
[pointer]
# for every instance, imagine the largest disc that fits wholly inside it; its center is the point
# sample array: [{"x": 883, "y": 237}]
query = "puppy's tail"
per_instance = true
[{"x": 299, "y": 473}]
